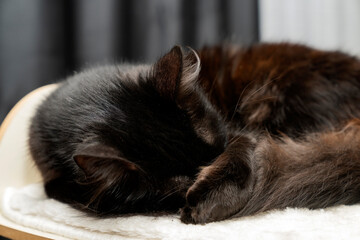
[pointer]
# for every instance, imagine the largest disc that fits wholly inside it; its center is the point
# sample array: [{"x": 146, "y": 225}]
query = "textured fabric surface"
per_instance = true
[{"x": 30, "y": 207}]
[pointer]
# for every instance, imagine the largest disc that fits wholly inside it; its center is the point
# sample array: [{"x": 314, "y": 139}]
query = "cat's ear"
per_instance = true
[
  {"x": 176, "y": 70},
  {"x": 190, "y": 71},
  {"x": 95, "y": 157}
]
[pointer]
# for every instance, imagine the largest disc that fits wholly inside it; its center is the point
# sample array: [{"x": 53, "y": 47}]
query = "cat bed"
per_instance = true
[{"x": 26, "y": 212}]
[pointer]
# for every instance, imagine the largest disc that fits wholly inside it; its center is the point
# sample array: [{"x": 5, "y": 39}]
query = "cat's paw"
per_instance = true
[
  {"x": 208, "y": 205},
  {"x": 194, "y": 215},
  {"x": 213, "y": 199},
  {"x": 223, "y": 188}
]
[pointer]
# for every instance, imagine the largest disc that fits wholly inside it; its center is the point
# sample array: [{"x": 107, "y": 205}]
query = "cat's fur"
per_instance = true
[{"x": 225, "y": 132}]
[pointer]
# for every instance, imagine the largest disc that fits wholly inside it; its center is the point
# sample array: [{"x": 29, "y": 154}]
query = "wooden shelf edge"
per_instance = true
[{"x": 18, "y": 235}]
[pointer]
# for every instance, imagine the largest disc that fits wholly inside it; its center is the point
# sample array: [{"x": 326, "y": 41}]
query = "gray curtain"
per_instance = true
[{"x": 43, "y": 41}]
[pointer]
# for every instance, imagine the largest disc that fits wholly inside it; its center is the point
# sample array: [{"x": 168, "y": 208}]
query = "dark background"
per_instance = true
[{"x": 43, "y": 41}]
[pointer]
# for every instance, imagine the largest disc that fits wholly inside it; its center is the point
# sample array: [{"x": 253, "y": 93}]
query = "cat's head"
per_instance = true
[{"x": 159, "y": 129}]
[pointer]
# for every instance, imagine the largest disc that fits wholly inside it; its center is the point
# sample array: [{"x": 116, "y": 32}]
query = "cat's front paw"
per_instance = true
[
  {"x": 209, "y": 204},
  {"x": 222, "y": 188},
  {"x": 212, "y": 198},
  {"x": 207, "y": 207}
]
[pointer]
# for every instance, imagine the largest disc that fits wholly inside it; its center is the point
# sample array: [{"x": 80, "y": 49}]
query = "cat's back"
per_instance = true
[{"x": 274, "y": 85}]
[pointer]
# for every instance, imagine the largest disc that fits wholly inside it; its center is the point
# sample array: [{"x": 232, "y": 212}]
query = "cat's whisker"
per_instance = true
[
  {"x": 238, "y": 134},
  {"x": 216, "y": 80},
  {"x": 243, "y": 128},
  {"x": 239, "y": 98},
  {"x": 258, "y": 90},
  {"x": 170, "y": 193},
  {"x": 262, "y": 99}
]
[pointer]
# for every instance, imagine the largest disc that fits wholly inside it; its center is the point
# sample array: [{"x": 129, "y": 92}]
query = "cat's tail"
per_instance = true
[{"x": 318, "y": 171}]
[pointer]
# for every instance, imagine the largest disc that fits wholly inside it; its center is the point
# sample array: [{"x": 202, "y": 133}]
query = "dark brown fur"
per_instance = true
[
  {"x": 288, "y": 101},
  {"x": 319, "y": 171}
]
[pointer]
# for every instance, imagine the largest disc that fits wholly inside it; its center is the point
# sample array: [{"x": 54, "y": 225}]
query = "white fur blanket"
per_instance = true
[{"x": 30, "y": 207}]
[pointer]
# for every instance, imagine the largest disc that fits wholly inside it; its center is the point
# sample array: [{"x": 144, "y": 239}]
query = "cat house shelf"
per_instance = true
[{"x": 16, "y": 167}]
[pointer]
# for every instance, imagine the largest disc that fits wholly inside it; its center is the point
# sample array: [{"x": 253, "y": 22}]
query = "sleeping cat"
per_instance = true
[{"x": 220, "y": 133}]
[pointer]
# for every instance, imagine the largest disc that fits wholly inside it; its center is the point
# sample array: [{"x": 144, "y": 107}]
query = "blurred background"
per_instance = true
[{"x": 43, "y": 41}]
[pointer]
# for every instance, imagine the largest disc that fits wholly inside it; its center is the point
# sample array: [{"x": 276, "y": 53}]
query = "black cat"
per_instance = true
[{"x": 222, "y": 133}]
